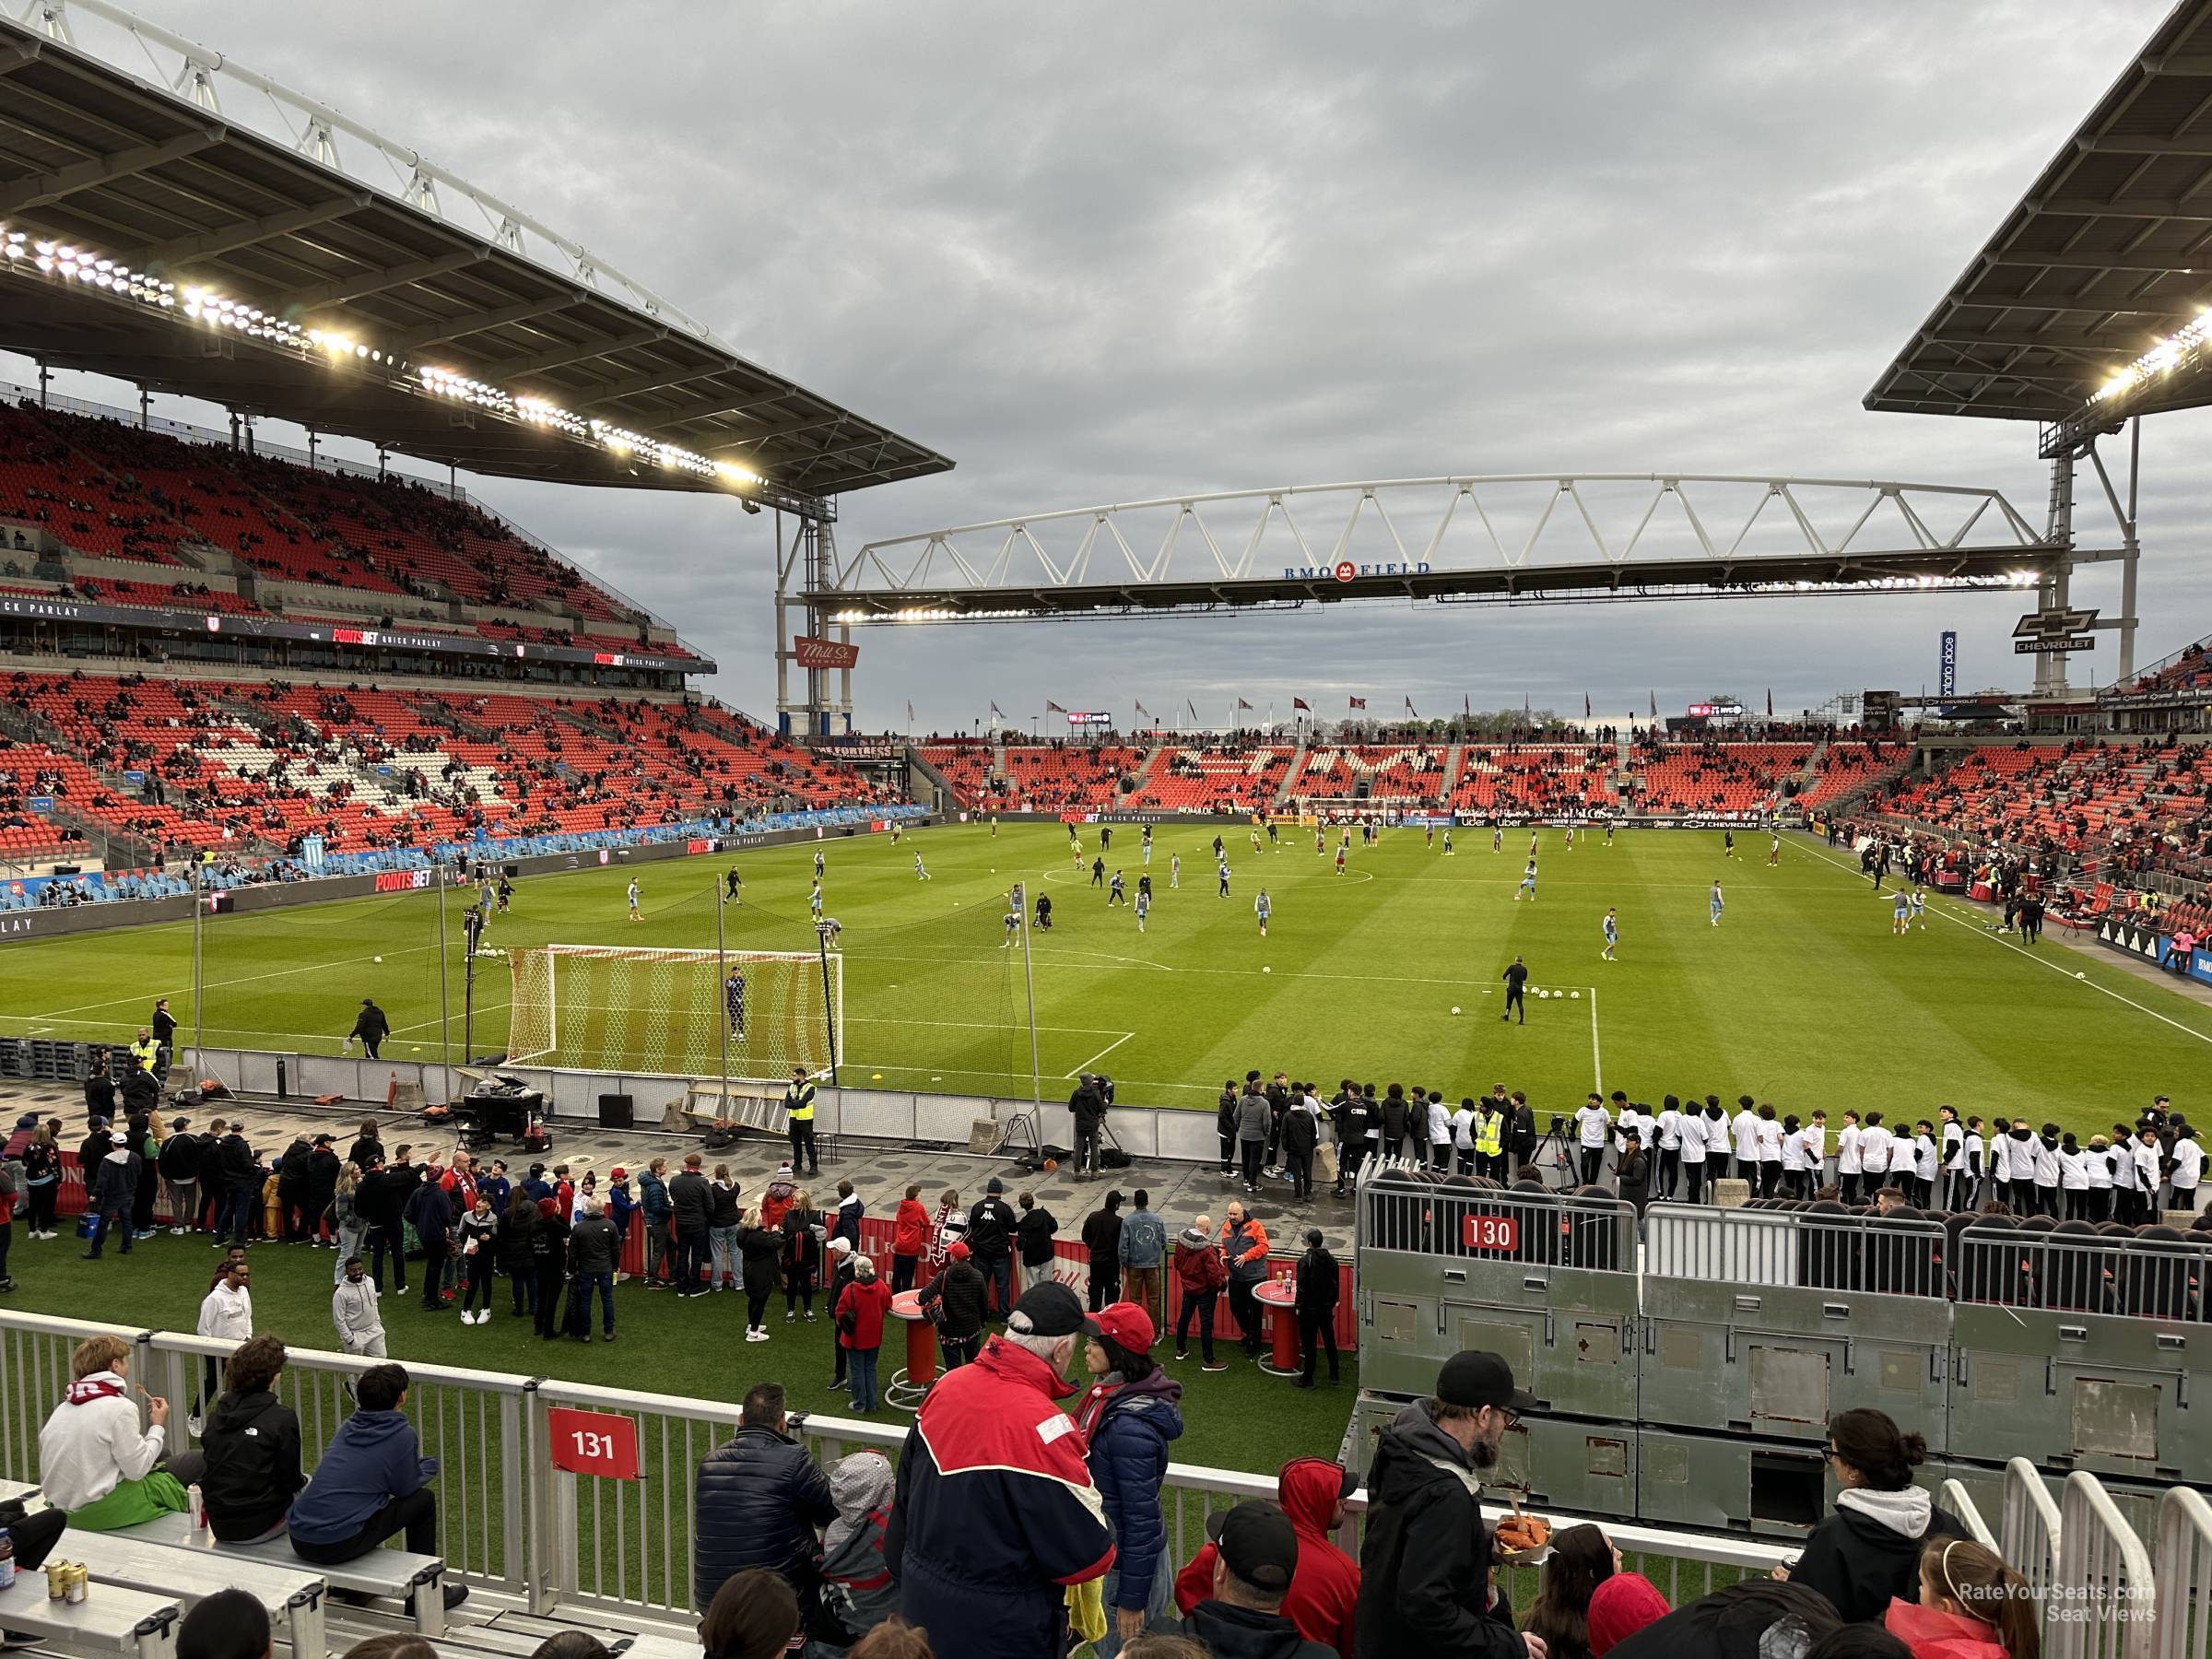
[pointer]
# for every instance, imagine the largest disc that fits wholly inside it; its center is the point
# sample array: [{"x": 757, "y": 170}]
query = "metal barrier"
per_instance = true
[
  {"x": 2030, "y": 1524},
  {"x": 2182, "y": 1567},
  {"x": 2104, "y": 1604},
  {"x": 620, "y": 1549},
  {"x": 1955, "y": 1498}
]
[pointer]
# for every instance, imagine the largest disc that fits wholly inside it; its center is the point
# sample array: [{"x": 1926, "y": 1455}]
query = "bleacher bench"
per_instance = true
[
  {"x": 293, "y": 1594},
  {"x": 111, "y": 1616},
  {"x": 416, "y": 1581}
]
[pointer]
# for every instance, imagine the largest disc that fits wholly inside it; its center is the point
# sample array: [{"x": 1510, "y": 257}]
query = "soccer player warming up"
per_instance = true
[
  {"x": 1528, "y": 883},
  {"x": 1612, "y": 936},
  {"x": 633, "y": 901},
  {"x": 1262, "y": 906},
  {"x": 1718, "y": 904}
]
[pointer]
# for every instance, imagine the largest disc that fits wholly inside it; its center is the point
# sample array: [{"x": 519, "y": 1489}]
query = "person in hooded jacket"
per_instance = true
[
  {"x": 322, "y": 1169},
  {"x": 1425, "y": 1560},
  {"x": 653, "y": 1199},
  {"x": 1750, "y": 1620},
  {"x": 251, "y": 1445},
  {"x": 857, "y": 1591},
  {"x": 115, "y": 1190},
  {"x": 1256, "y": 1553},
  {"x": 371, "y": 1482},
  {"x": 1323, "y": 1598},
  {"x": 1129, "y": 1418},
  {"x": 956, "y": 1301},
  {"x": 1867, "y": 1553},
  {"x": 1202, "y": 1273},
  {"x": 909, "y": 1238},
  {"x": 291, "y": 1190},
  {"x": 1318, "y": 1287}
]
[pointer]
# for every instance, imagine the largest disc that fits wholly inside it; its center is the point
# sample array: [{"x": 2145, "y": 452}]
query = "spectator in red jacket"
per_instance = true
[
  {"x": 1202, "y": 1273},
  {"x": 1323, "y": 1598},
  {"x": 909, "y": 1238},
  {"x": 860, "y": 1314}
]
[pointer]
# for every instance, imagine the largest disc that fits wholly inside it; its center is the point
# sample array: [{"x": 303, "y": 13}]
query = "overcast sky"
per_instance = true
[{"x": 1100, "y": 253}]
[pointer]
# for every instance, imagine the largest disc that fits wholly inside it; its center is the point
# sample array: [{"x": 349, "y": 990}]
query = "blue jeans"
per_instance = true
[
  {"x": 604, "y": 1284},
  {"x": 116, "y": 1218},
  {"x": 239, "y": 1218},
  {"x": 862, "y": 1364},
  {"x": 1156, "y": 1603},
  {"x": 523, "y": 1283}
]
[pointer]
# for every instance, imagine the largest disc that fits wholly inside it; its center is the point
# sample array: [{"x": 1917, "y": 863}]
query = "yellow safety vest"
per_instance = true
[
  {"x": 145, "y": 1054},
  {"x": 1489, "y": 1131},
  {"x": 799, "y": 1103}
]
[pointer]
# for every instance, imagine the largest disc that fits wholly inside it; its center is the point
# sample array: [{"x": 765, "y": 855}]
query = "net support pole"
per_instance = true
[
  {"x": 722, "y": 996},
  {"x": 445, "y": 1014},
  {"x": 1029, "y": 974},
  {"x": 821, "y": 950},
  {"x": 199, "y": 903}
]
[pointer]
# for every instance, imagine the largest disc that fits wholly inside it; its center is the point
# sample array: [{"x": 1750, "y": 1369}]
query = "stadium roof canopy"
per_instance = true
[
  {"x": 227, "y": 180},
  {"x": 2108, "y": 255}
]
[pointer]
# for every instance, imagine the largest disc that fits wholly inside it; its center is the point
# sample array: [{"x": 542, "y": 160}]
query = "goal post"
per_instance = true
[{"x": 758, "y": 1014}]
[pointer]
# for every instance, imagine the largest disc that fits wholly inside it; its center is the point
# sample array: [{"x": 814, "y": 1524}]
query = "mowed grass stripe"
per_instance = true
[{"x": 1802, "y": 996}]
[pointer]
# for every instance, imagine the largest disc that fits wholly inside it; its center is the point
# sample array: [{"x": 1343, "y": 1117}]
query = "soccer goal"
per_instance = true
[{"x": 675, "y": 1013}]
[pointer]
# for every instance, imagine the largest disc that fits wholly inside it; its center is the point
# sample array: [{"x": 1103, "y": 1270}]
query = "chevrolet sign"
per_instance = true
[{"x": 2054, "y": 631}]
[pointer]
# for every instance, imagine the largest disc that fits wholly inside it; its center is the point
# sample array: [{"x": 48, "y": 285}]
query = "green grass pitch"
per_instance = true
[{"x": 1802, "y": 995}]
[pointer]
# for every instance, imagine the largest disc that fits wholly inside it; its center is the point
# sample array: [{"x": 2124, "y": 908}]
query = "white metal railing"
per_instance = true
[
  {"x": 2029, "y": 1528},
  {"x": 2103, "y": 1603},
  {"x": 1955, "y": 1498},
  {"x": 621, "y": 1549},
  {"x": 2182, "y": 1567}
]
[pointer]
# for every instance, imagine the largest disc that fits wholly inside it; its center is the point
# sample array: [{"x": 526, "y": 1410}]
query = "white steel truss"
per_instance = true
[
  {"x": 207, "y": 79},
  {"x": 1516, "y": 535}
]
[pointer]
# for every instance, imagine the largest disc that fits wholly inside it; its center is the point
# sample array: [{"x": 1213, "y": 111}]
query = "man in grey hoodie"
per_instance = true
[
  {"x": 1255, "y": 1120},
  {"x": 353, "y": 1311},
  {"x": 857, "y": 1592}
]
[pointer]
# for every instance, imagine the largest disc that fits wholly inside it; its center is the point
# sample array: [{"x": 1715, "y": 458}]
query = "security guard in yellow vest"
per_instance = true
[
  {"x": 1489, "y": 1142},
  {"x": 798, "y": 1105},
  {"x": 145, "y": 1052}
]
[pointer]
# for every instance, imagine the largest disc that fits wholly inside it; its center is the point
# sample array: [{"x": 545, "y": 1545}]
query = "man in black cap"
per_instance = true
[
  {"x": 1255, "y": 1554},
  {"x": 994, "y": 1512},
  {"x": 1425, "y": 1563},
  {"x": 991, "y": 1225},
  {"x": 371, "y": 1028}
]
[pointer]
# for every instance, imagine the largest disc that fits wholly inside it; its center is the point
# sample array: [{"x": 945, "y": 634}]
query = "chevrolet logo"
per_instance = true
[{"x": 2053, "y": 624}]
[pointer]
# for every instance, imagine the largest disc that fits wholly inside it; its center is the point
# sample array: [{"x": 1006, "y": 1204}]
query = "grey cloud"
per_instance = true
[{"x": 1096, "y": 254}]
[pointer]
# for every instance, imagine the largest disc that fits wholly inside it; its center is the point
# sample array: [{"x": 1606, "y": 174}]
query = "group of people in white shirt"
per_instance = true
[{"x": 1945, "y": 1163}]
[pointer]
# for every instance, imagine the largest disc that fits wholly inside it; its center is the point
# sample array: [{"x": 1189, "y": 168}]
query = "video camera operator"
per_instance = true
[{"x": 1088, "y": 1105}]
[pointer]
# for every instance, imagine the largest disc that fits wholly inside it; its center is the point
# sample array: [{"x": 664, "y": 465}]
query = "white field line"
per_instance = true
[
  {"x": 1097, "y": 1057},
  {"x": 2041, "y": 961}
]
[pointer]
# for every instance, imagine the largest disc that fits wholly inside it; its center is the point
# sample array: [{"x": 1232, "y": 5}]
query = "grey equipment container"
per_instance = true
[
  {"x": 1766, "y": 1322},
  {"x": 2084, "y": 1347}
]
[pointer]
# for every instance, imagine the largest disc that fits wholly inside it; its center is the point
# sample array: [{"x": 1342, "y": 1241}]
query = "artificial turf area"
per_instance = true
[{"x": 1802, "y": 996}]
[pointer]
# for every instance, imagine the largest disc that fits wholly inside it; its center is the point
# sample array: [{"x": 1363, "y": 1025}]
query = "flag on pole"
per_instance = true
[
  {"x": 1411, "y": 712},
  {"x": 909, "y": 712},
  {"x": 1192, "y": 708},
  {"x": 1654, "y": 696},
  {"x": 1770, "y": 702},
  {"x": 1359, "y": 702},
  {"x": 1053, "y": 708},
  {"x": 996, "y": 715},
  {"x": 1466, "y": 706},
  {"x": 1145, "y": 713},
  {"x": 1300, "y": 702},
  {"x": 1244, "y": 707},
  {"x": 1585, "y": 705}
]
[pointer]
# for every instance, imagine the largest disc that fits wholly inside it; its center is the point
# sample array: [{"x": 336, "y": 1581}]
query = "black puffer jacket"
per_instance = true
[
  {"x": 762, "y": 1251},
  {"x": 761, "y": 1500},
  {"x": 253, "y": 1446},
  {"x": 960, "y": 1288},
  {"x": 1425, "y": 1562}
]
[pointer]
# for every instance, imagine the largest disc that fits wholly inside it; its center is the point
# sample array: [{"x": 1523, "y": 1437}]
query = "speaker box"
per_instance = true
[{"x": 614, "y": 1112}]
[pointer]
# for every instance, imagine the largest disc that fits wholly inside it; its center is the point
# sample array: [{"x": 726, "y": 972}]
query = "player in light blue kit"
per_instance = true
[
  {"x": 1719, "y": 904},
  {"x": 1262, "y": 906},
  {"x": 1528, "y": 883},
  {"x": 1612, "y": 936}
]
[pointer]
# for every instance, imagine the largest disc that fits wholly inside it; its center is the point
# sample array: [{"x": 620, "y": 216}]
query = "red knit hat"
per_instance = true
[{"x": 1622, "y": 1605}]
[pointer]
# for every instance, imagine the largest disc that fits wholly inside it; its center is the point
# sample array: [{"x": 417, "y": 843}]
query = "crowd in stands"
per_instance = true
[
  {"x": 184, "y": 765},
  {"x": 2130, "y": 809},
  {"x": 336, "y": 546},
  {"x": 2187, "y": 671}
]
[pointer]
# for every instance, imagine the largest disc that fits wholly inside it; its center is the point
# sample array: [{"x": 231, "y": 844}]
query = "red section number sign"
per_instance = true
[
  {"x": 594, "y": 1442},
  {"x": 1490, "y": 1233}
]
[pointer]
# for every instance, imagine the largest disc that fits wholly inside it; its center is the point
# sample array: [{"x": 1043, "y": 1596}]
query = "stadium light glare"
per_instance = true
[{"x": 202, "y": 306}]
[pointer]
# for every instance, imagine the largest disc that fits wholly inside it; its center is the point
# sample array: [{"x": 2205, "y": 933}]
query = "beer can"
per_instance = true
[
  {"x": 57, "y": 1580},
  {"x": 80, "y": 1583}
]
